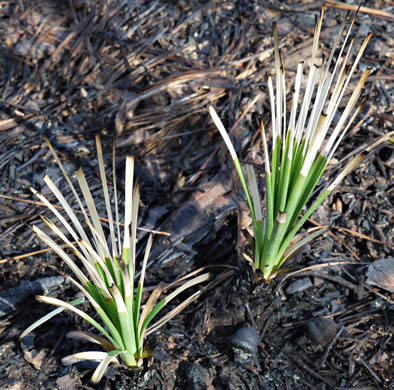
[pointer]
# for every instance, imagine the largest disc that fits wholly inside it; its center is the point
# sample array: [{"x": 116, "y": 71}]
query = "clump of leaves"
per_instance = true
[
  {"x": 106, "y": 274},
  {"x": 302, "y": 146}
]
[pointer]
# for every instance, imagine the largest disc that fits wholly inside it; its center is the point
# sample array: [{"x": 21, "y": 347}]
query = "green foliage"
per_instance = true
[
  {"x": 301, "y": 147},
  {"x": 106, "y": 274}
]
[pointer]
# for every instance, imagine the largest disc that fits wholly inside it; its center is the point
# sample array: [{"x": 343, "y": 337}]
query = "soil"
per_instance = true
[{"x": 146, "y": 71}]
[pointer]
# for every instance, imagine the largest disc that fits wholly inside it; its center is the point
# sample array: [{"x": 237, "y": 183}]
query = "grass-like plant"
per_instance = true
[
  {"x": 302, "y": 146},
  {"x": 106, "y": 272}
]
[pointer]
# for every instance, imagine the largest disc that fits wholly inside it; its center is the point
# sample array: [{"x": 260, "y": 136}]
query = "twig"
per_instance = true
[
  {"x": 20, "y": 257},
  {"x": 316, "y": 266},
  {"x": 372, "y": 372},
  {"x": 35, "y": 203},
  {"x": 366, "y": 10},
  {"x": 341, "y": 242},
  {"x": 360, "y": 235},
  {"x": 323, "y": 361}
]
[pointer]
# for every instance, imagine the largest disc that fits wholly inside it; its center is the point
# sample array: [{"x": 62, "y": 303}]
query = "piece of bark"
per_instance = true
[
  {"x": 14, "y": 297},
  {"x": 381, "y": 273}
]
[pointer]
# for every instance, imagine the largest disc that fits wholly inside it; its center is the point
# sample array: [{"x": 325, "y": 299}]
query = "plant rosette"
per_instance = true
[
  {"x": 303, "y": 143},
  {"x": 105, "y": 270}
]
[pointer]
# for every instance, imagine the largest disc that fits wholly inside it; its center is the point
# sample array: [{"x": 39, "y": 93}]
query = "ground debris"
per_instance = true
[
  {"x": 381, "y": 273},
  {"x": 12, "y": 298},
  {"x": 145, "y": 71}
]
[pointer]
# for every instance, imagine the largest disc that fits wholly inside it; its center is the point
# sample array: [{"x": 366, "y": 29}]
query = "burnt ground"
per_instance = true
[{"x": 146, "y": 71}]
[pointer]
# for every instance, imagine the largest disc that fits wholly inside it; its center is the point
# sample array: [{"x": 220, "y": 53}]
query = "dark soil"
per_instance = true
[{"x": 146, "y": 72}]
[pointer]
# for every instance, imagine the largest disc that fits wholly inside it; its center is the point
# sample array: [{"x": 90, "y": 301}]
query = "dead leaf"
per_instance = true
[
  {"x": 34, "y": 358},
  {"x": 66, "y": 382}
]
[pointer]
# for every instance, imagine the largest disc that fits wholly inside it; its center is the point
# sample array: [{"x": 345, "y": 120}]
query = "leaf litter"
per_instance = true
[{"x": 147, "y": 72}]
